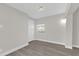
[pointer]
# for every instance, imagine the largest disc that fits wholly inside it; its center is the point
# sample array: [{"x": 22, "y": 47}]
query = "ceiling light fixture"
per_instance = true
[{"x": 41, "y": 8}]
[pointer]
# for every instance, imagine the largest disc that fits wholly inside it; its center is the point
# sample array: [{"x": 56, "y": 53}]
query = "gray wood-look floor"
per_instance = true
[{"x": 39, "y": 48}]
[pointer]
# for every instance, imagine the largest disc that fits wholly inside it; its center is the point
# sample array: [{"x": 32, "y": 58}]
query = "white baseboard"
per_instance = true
[
  {"x": 77, "y": 46},
  {"x": 12, "y": 50},
  {"x": 68, "y": 47},
  {"x": 51, "y": 41}
]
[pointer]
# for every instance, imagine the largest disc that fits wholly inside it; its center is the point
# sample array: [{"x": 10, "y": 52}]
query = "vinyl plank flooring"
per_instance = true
[{"x": 39, "y": 48}]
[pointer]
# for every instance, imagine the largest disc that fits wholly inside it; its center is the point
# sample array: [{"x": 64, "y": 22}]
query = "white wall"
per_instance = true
[
  {"x": 15, "y": 28},
  {"x": 70, "y": 25},
  {"x": 31, "y": 29},
  {"x": 76, "y": 28},
  {"x": 55, "y": 31}
]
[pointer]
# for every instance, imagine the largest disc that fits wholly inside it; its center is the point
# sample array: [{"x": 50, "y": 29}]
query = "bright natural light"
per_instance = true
[
  {"x": 41, "y": 27},
  {"x": 63, "y": 21}
]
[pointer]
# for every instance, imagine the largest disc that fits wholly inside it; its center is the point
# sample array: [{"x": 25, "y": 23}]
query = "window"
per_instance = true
[{"x": 40, "y": 27}]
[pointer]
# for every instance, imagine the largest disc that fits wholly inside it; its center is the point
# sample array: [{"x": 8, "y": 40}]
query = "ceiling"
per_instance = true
[{"x": 38, "y": 10}]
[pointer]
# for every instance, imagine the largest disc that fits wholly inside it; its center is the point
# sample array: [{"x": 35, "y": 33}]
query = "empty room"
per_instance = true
[{"x": 39, "y": 29}]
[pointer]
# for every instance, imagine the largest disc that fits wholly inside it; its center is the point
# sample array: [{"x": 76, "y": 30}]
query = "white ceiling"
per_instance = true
[{"x": 32, "y": 9}]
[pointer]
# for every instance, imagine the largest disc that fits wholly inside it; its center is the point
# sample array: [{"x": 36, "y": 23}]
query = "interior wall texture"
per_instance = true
[
  {"x": 76, "y": 28},
  {"x": 55, "y": 30},
  {"x": 13, "y": 28},
  {"x": 71, "y": 26}
]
